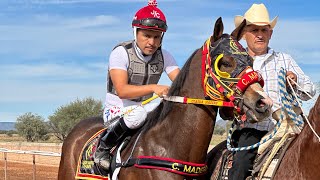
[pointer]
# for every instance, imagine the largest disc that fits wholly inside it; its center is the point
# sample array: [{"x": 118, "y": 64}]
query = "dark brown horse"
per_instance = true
[
  {"x": 177, "y": 131},
  {"x": 301, "y": 160}
]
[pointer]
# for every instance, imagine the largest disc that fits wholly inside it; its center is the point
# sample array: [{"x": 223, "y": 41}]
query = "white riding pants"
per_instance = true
[{"x": 133, "y": 116}]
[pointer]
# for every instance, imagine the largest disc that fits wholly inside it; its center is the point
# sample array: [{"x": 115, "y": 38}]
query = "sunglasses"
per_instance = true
[{"x": 151, "y": 22}]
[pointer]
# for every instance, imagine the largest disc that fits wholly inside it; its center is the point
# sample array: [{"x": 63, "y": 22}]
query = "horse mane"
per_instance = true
[{"x": 159, "y": 113}]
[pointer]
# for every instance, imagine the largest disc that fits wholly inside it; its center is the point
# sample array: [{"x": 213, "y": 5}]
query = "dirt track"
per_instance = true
[
  {"x": 20, "y": 167},
  {"x": 24, "y": 171}
]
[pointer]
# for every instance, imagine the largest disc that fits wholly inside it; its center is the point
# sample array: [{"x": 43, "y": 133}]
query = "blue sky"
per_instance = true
[{"x": 55, "y": 51}]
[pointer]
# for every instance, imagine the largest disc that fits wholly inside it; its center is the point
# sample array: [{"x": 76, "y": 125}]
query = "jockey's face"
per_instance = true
[
  {"x": 148, "y": 41},
  {"x": 257, "y": 38}
]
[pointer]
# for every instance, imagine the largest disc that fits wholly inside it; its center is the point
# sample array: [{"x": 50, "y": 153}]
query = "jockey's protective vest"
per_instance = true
[{"x": 139, "y": 71}]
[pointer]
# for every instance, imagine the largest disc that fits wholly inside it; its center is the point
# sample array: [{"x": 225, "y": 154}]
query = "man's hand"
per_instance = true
[{"x": 292, "y": 76}]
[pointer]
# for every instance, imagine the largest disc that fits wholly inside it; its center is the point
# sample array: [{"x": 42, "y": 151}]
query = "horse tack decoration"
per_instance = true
[
  {"x": 174, "y": 140},
  {"x": 286, "y": 152}
]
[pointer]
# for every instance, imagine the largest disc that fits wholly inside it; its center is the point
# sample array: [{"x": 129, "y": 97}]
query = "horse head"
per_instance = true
[{"x": 229, "y": 66}]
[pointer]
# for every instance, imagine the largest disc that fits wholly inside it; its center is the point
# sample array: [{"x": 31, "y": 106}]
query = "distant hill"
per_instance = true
[{"x": 6, "y": 126}]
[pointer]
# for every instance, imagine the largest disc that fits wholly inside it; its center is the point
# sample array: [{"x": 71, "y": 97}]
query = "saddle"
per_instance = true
[
  {"x": 270, "y": 153},
  {"x": 87, "y": 169}
]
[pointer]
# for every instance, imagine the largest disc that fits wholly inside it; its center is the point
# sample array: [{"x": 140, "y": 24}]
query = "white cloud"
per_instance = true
[
  {"x": 298, "y": 38},
  {"x": 57, "y": 71},
  {"x": 96, "y": 35},
  {"x": 73, "y": 23},
  {"x": 49, "y": 92},
  {"x": 45, "y": 35}
]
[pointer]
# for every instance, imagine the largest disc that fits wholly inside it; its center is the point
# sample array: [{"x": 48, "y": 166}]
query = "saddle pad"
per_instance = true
[{"x": 86, "y": 168}]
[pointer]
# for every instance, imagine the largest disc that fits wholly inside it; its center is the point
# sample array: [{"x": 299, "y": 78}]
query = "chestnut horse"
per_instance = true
[
  {"x": 301, "y": 160},
  {"x": 180, "y": 133}
]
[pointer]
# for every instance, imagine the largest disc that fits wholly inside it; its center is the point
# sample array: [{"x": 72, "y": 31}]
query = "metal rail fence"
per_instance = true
[{"x": 33, "y": 153}]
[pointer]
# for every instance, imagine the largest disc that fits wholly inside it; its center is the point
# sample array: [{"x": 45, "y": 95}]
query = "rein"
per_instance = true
[
  {"x": 287, "y": 101},
  {"x": 222, "y": 94},
  {"x": 303, "y": 113}
]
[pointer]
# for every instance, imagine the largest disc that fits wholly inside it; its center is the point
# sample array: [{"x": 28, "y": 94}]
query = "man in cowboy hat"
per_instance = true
[{"x": 257, "y": 34}]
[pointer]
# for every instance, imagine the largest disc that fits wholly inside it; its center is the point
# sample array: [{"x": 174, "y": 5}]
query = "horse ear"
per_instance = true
[
  {"x": 237, "y": 33},
  {"x": 218, "y": 29}
]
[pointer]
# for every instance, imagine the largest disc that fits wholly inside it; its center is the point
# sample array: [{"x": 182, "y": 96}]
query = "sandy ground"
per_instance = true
[
  {"x": 24, "y": 171},
  {"x": 20, "y": 167}
]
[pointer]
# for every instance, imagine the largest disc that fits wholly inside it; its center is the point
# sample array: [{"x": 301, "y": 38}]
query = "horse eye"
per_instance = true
[{"x": 225, "y": 64}]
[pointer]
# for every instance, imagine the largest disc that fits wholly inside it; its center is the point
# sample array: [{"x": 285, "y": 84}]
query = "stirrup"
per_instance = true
[
  {"x": 102, "y": 158},
  {"x": 104, "y": 162}
]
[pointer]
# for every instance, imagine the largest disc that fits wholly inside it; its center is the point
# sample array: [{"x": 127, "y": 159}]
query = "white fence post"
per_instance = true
[{"x": 33, "y": 153}]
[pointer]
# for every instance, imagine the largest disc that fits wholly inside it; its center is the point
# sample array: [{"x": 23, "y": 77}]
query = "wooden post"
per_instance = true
[
  {"x": 34, "y": 166},
  {"x": 5, "y": 165}
]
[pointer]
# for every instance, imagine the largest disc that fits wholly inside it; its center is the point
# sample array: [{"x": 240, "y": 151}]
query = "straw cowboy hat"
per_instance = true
[{"x": 258, "y": 15}]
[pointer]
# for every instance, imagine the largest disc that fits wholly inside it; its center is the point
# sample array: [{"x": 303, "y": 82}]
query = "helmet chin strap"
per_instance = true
[
  {"x": 135, "y": 33},
  {"x": 162, "y": 34}
]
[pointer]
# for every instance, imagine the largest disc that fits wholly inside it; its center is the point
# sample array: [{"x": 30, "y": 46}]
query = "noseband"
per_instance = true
[{"x": 217, "y": 85}]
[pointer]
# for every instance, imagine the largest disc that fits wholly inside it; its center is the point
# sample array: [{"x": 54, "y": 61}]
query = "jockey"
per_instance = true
[{"x": 134, "y": 70}]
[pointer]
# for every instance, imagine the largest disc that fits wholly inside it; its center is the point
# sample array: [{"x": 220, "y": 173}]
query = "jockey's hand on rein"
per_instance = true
[{"x": 161, "y": 90}]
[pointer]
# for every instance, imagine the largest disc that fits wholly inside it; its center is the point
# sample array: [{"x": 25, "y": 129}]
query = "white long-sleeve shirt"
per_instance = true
[{"x": 269, "y": 66}]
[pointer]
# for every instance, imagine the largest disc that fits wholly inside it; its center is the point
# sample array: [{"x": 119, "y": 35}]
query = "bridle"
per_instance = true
[{"x": 217, "y": 85}]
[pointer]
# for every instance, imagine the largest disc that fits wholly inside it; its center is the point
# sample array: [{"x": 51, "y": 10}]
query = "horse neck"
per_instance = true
[
  {"x": 314, "y": 115},
  {"x": 301, "y": 157},
  {"x": 307, "y": 134},
  {"x": 307, "y": 142},
  {"x": 193, "y": 123}
]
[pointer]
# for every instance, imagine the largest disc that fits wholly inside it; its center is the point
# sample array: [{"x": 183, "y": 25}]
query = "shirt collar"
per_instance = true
[
  {"x": 268, "y": 54},
  {"x": 139, "y": 52}
]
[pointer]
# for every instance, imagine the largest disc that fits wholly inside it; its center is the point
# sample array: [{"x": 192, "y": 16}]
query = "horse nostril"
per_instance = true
[{"x": 261, "y": 107}]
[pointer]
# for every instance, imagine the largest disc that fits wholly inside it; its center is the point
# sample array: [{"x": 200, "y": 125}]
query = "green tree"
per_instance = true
[
  {"x": 66, "y": 117},
  {"x": 10, "y": 133},
  {"x": 219, "y": 130},
  {"x": 32, "y": 127}
]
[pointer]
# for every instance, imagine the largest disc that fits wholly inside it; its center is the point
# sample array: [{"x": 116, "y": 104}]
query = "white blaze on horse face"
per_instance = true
[
  {"x": 266, "y": 99},
  {"x": 257, "y": 88}
]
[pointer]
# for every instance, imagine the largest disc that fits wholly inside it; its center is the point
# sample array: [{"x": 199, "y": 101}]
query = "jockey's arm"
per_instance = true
[
  {"x": 124, "y": 90},
  {"x": 173, "y": 74}
]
